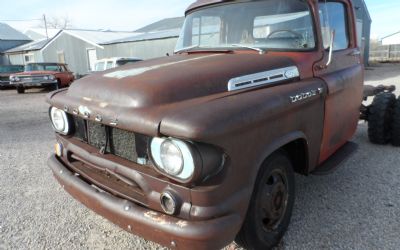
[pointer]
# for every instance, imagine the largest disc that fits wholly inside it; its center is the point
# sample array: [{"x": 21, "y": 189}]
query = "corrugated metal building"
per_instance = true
[
  {"x": 157, "y": 40},
  {"x": 77, "y": 48},
  {"x": 10, "y": 38},
  {"x": 364, "y": 22}
]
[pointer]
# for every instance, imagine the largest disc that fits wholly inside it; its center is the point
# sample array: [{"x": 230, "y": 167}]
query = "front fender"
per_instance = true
[{"x": 248, "y": 126}]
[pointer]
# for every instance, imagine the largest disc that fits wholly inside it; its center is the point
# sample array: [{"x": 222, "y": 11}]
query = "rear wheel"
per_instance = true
[
  {"x": 396, "y": 124},
  {"x": 380, "y": 118},
  {"x": 20, "y": 90},
  {"x": 271, "y": 205}
]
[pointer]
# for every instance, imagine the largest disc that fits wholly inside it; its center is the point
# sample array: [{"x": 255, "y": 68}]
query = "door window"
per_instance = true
[{"x": 333, "y": 17}]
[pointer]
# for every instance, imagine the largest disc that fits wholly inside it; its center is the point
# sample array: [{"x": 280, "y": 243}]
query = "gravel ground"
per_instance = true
[{"x": 357, "y": 207}]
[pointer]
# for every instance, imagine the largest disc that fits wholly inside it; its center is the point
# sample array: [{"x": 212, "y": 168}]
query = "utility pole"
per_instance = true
[{"x": 45, "y": 26}]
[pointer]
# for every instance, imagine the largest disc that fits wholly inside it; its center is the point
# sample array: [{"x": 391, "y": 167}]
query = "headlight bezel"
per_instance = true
[
  {"x": 67, "y": 128},
  {"x": 191, "y": 159}
]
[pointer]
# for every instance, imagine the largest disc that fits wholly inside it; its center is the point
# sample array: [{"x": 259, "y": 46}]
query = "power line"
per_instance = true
[{"x": 20, "y": 20}]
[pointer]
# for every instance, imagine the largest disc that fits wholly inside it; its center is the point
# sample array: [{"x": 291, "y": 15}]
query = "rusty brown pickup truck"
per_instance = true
[{"x": 198, "y": 149}]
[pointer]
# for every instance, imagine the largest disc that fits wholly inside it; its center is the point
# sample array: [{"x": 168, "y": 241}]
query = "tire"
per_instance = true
[
  {"x": 396, "y": 124},
  {"x": 380, "y": 118},
  {"x": 271, "y": 205},
  {"x": 20, "y": 90}
]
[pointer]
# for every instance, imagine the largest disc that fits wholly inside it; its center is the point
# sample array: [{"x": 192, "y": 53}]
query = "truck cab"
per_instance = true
[{"x": 201, "y": 148}]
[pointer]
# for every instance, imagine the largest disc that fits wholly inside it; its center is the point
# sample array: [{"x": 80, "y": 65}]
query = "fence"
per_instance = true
[{"x": 385, "y": 53}]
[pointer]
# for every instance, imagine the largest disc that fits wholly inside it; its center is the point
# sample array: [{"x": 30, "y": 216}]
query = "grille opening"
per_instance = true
[{"x": 125, "y": 144}]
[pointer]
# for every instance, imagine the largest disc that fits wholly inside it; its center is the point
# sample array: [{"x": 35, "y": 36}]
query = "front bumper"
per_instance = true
[
  {"x": 166, "y": 230},
  {"x": 5, "y": 84},
  {"x": 40, "y": 84}
]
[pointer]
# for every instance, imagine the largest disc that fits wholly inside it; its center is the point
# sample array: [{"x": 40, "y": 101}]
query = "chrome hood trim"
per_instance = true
[{"x": 263, "y": 78}]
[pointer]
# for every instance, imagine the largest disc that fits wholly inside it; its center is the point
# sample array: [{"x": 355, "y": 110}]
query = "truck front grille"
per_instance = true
[
  {"x": 125, "y": 144},
  {"x": 4, "y": 79}
]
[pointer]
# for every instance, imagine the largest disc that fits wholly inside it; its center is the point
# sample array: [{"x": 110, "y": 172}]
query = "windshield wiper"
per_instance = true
[
  {"x": 188, "y": 48},
  {"x": 261, "y": 51}
]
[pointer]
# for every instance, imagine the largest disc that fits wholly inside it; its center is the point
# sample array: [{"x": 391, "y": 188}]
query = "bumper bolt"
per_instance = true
[{"x": 173, "y": 244}]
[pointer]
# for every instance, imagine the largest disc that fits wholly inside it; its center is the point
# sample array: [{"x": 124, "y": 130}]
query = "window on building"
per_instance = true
[
  {"x": 29, "y": 58},
  {"x": 333, "y": 17}
]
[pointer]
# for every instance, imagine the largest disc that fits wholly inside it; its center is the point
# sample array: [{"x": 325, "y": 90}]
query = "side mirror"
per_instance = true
[{"x": 331, "y": 44}]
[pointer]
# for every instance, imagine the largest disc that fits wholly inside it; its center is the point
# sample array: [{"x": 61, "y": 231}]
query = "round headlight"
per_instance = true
[
  {"x": 46, "y": 78},
  {"x": 14, "y": 78},
  {"x": 60, "y": 121},
  {"x": 51, "y": 77},
  {"x": 171, "y": 158}
]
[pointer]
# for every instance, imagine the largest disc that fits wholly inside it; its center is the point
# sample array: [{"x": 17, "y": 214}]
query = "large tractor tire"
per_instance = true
[
  {"x": 380, "y": 118},
  {"x": 396, "y": 124}
]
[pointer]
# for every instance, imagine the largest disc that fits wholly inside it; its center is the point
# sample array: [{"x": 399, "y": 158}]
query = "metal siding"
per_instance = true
[
  {"x": 142, "y": 49},
  {"x": 363, "y": 14},
  {"x": 74, "y": 50}
]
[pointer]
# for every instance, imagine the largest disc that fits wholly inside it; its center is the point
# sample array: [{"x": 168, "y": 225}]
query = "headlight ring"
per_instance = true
[
  {"x": 173, "y": 157},
  {"x": 60, "y": 121}
]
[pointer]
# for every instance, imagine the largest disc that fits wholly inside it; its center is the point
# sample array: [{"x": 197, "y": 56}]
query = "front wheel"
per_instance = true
[
  {"x": 271, "y": 205},
  {"x": 20, "y": 90},
  {"x": 57, "y": 85}
]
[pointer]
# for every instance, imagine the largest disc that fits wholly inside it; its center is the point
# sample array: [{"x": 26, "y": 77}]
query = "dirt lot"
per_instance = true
[{"x": 357, "y": 207}]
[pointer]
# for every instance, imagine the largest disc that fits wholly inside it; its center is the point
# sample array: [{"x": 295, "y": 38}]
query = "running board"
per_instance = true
[{"x": 337, "y": 159}]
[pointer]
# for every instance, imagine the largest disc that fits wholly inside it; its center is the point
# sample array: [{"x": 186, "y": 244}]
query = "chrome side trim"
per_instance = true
[{"x": 262, "y": 78}]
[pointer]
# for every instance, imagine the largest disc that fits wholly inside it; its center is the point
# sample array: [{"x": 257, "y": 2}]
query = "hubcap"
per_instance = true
[{"x": 274, "y": 200}]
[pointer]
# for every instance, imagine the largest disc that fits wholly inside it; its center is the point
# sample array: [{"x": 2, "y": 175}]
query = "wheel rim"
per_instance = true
[{"x": 274, "y": 200}]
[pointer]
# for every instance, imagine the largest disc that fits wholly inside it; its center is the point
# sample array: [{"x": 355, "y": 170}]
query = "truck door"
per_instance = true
[{"x": 343, "y": 76}]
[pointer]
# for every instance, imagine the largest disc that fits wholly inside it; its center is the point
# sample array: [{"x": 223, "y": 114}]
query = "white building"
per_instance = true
[
  {"x": 77, "y": 48},
  {"x": 392, "y": 39}
]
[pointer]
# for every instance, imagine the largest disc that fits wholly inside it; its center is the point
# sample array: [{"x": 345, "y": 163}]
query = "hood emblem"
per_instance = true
[
  {"x": 306, "y": 95},
  {"x": 263, "y": 78},
  {"x": 98, "y": 118},
  {"x": 85, "y": 111},
  {"x": 114, "y": 122}
]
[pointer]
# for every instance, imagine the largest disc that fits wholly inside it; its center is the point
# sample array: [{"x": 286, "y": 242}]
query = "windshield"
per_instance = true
[
  {"x": 268, "y": 24},
  {"x": 42, "y": 67},
  {"x": 11, "y": 68}
]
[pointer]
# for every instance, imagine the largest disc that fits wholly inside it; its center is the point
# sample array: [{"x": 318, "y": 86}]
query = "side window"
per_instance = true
[{"x": 333, "y": 16}]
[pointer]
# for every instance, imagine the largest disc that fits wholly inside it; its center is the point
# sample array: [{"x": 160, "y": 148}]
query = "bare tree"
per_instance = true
[{"x": 57, "y": 23}]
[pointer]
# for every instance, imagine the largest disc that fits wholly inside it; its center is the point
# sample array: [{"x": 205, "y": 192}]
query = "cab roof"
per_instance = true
[{"x": 202, "y": 3}]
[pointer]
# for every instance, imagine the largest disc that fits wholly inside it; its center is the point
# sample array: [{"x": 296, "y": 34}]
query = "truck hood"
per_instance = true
[
  {"x": 139, "y": 96},
  {"x": 171, "y": 79}
]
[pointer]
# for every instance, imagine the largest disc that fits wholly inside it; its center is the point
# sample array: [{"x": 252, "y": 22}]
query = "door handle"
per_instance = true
[{"x": 354, "y": 53}]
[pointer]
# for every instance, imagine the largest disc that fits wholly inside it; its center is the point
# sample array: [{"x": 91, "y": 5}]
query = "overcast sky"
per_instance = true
[{"x": 129, "y": 15}]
